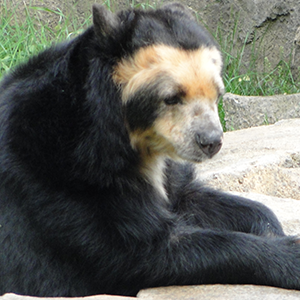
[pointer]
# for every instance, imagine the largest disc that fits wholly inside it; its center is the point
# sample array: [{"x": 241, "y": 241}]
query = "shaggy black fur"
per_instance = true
[{"x": 77, "y": 217}]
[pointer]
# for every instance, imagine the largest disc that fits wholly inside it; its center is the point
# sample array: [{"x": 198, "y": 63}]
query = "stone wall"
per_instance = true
[
  {"x": 250, "y": 111},
  {"x": 269, "y": 27}
]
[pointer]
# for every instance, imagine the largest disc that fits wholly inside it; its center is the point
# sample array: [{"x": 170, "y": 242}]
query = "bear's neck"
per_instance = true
[{"x": 152, "y": 151}]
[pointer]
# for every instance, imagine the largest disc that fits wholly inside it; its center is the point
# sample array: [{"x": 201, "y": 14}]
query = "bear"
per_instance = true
[{"x": 99, "y": 137}]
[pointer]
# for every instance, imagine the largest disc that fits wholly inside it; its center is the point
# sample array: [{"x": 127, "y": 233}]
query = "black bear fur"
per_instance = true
[{"x": 77, "y": 217}]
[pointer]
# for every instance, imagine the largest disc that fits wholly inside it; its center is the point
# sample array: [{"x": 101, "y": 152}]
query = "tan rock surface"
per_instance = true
[
  {"x": 263, "y": 160},
  {"x": 248, "y": 111},
  {"x": 98, "y": 297},
  {"x": 222, "y": 292}
]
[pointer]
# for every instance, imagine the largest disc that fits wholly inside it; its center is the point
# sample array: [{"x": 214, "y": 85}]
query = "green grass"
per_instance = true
[
  {"x": 19, "y": 40},
  {"x": 252, "y": 80}
]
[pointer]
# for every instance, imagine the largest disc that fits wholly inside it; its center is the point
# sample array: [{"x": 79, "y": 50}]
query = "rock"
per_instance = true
[
  {"x": 262, "y": 159},
  {"x": 248, "y": 111},
  {"x": 203, "y": 292},
  {"x": 267, "y": 28},
  {"x": 98, "y": 297},
  {"x": 265, "y": 162},
  {"x": 222, "y": 292}
]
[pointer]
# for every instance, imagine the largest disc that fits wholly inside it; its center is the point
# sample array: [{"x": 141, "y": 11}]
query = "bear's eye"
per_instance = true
[{"x": 173, "y": 100}]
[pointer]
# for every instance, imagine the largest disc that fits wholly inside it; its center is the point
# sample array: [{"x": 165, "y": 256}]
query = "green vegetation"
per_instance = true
[{"x": 19, "y": 40}]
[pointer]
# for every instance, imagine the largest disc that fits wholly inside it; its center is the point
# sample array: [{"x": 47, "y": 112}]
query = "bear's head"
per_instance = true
[{"x": 169, "y": 77}]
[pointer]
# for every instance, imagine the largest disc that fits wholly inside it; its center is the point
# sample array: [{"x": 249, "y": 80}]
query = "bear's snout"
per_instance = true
[{"x": 209, "y": 142}]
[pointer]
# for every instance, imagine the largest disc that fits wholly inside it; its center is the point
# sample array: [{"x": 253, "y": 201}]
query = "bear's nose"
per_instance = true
[{"x": 210, "y": 143}]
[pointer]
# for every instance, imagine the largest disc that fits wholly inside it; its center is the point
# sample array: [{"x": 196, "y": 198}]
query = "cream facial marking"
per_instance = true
[{"x": 198, "y": 71}]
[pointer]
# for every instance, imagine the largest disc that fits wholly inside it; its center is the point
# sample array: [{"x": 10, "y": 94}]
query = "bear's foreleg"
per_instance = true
[{"x": 210, "y": 209}]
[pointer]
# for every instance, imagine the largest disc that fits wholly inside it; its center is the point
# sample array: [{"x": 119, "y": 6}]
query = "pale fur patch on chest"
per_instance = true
[{"x": 155, "y": 175}]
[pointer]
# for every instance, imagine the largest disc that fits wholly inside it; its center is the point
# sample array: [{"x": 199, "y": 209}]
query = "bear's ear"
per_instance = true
[
  {"x": 105, "y": 22},
  {"x": 178, "y": 8}
]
